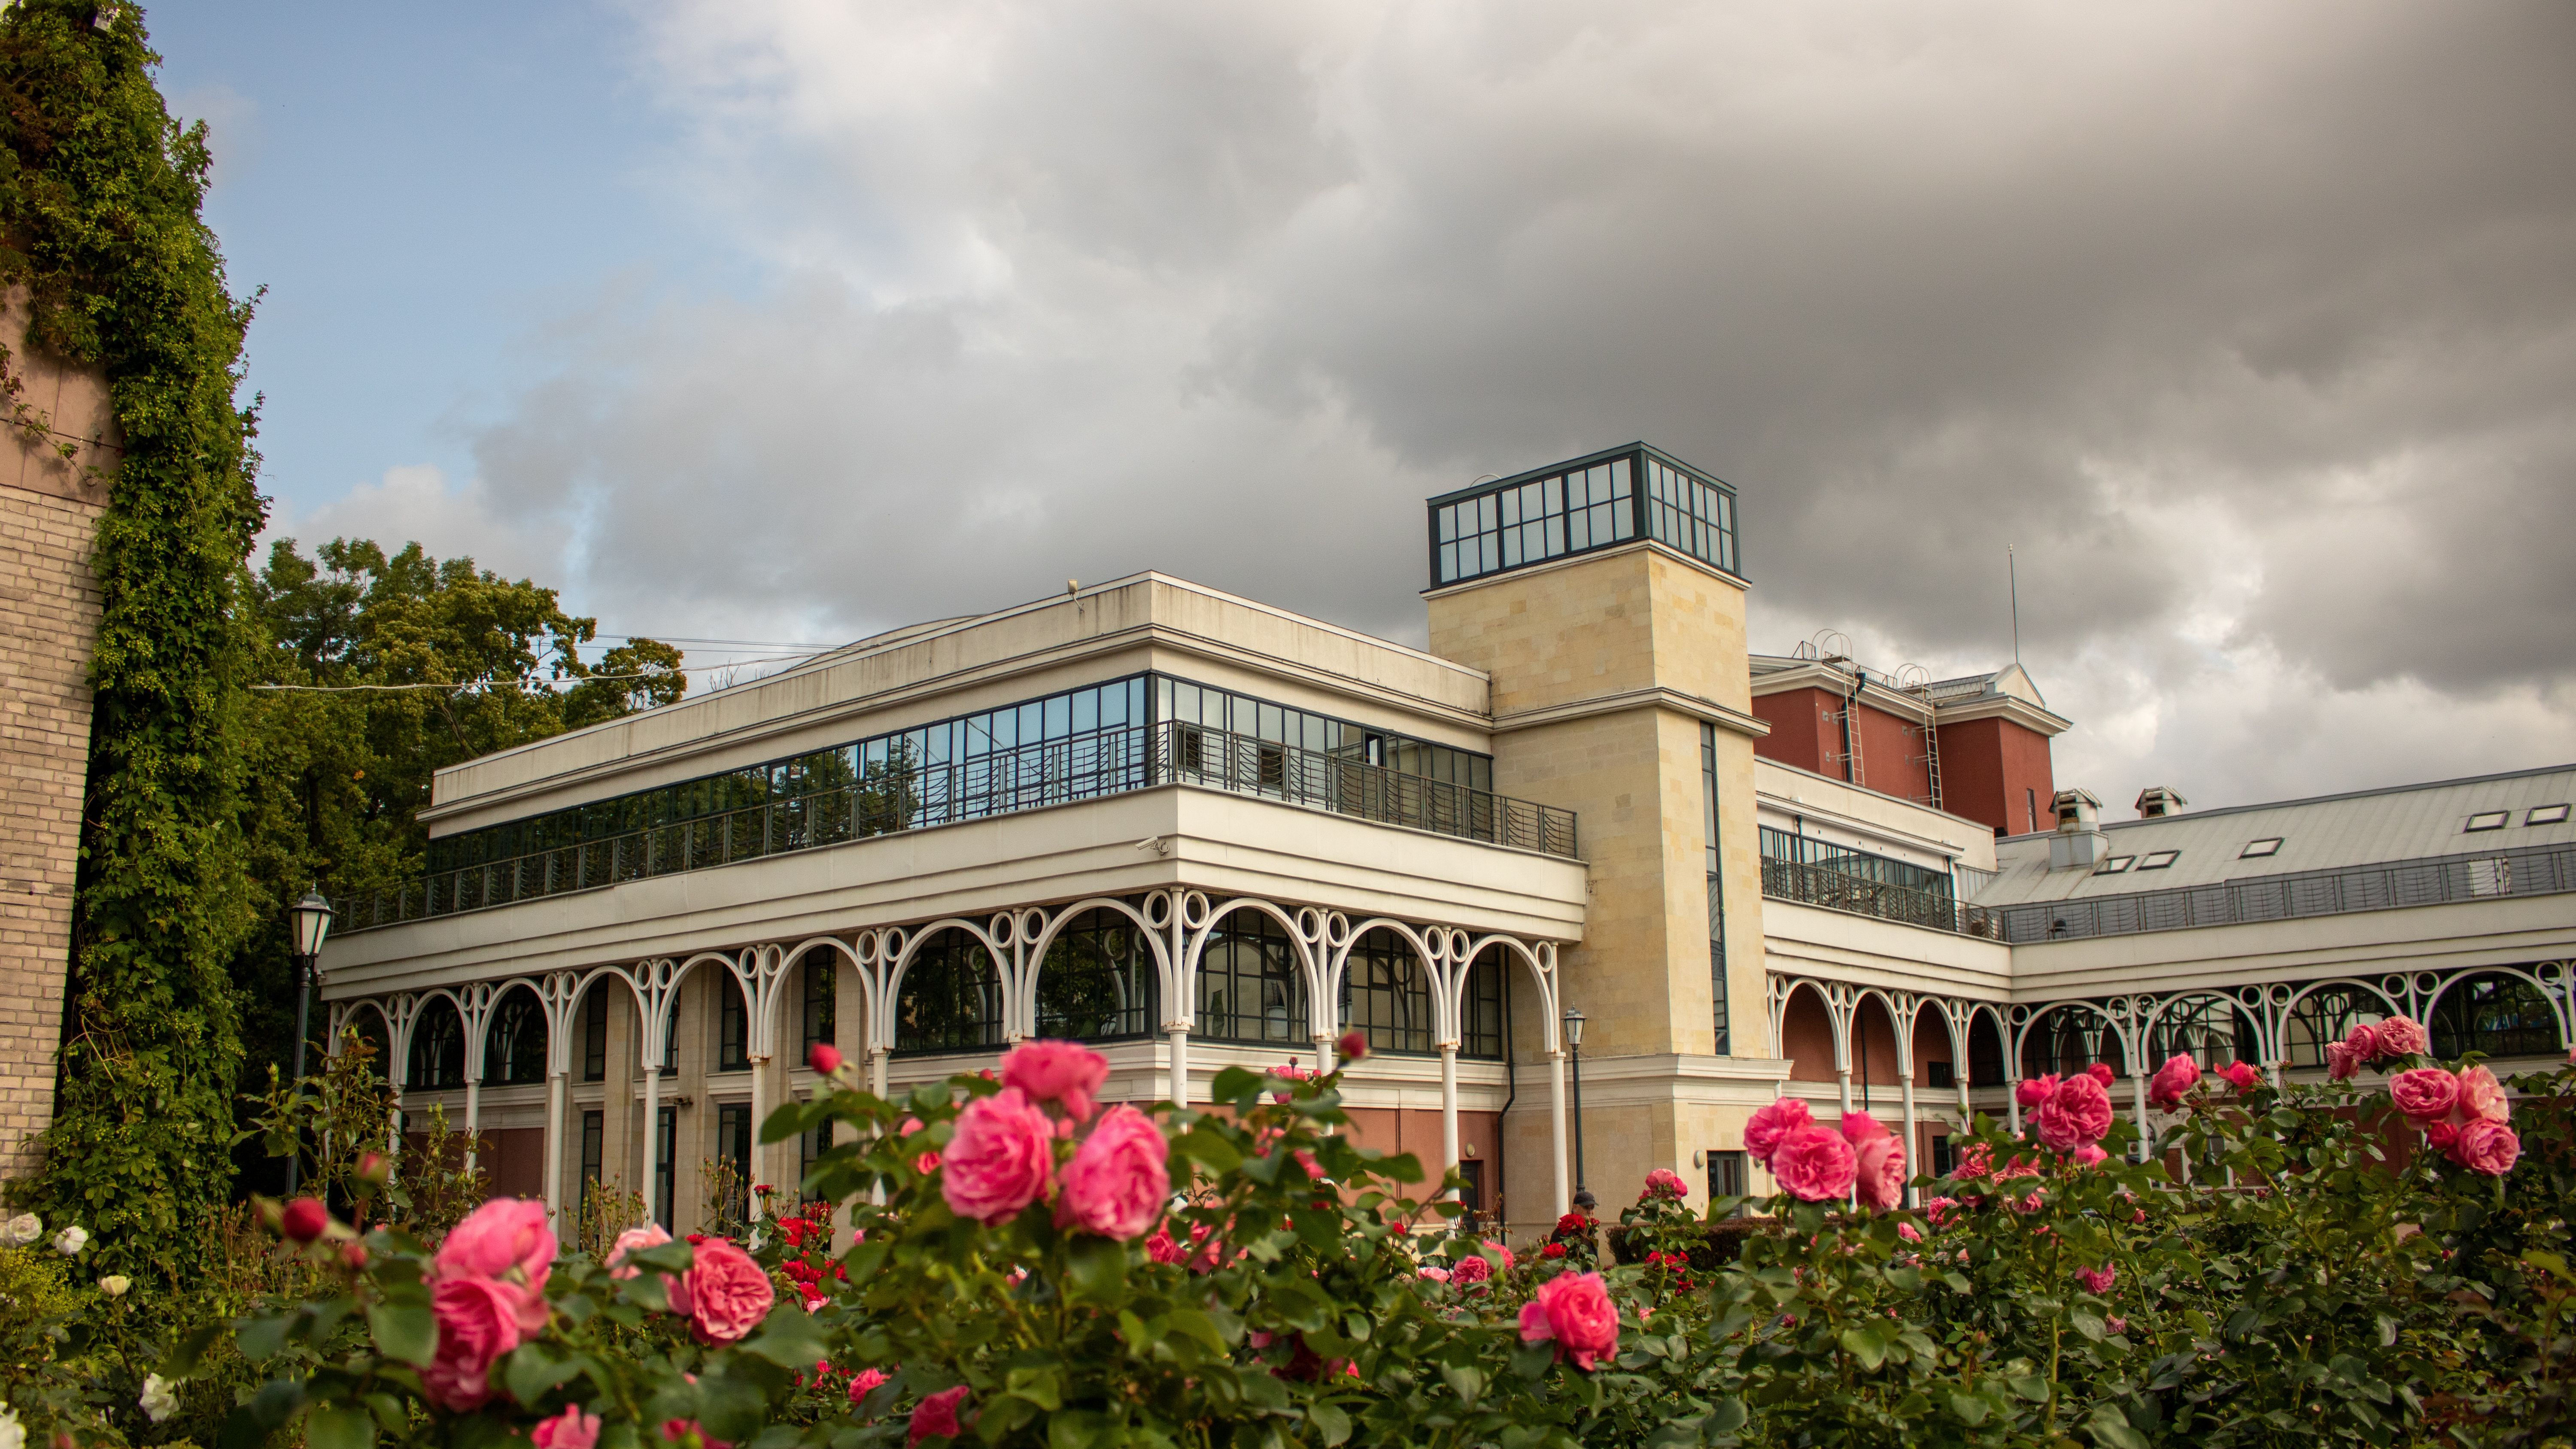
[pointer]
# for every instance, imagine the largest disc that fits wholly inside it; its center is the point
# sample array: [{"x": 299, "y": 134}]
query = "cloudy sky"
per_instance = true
[{"x": 2250, "y": 328}]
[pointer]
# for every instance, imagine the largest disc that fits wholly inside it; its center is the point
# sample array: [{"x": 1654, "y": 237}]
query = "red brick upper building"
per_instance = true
[{"x": 1975, "y": 747}]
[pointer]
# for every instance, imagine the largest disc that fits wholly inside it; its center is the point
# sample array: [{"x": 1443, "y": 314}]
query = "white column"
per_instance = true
[
  {"x": 1912, "y": 1144},
  {"x": 1844, "y": 1076},
  {"x": 2146, "y": 1133},
  {"x": 1180, "y": 1088},
  {"x": 554, "y": 1148},
  {"x": 653, "y": 1136},
  {"x": 1449, "y": 1108},
  {"x": 393, "y": 1139},
  {"x": 473, "y": 1118},
  {"x": 759, "y": 1108},
  {"x": 877, "y": 1070},
  {"x": 1556, "y": 1126}
]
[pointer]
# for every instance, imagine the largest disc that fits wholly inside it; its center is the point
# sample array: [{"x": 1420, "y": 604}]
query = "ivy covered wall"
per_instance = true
[{"x": 100, "y": 191}]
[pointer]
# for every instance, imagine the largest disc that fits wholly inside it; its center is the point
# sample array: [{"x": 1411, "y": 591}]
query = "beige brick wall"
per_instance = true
[{"x": 49, "y": 614}]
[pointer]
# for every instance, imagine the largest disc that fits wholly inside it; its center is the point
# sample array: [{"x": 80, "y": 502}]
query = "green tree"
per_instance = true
[{"x": 380, "y": 670}]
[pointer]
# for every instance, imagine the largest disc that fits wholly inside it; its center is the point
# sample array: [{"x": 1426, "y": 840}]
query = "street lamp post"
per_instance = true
[
  {"x": 311, "y": 918},
  {"x": 1574, "y": 1045}
]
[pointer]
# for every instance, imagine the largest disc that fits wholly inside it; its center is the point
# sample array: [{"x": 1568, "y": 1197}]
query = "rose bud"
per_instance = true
[
  {"x": 353, "y": 1256},
  {"x": 374, "y": 1170},
  {"x": 1352, "y": 1046},
  {"x": 826, "y": 1058},
  {"x": 304, "y": 1220}
]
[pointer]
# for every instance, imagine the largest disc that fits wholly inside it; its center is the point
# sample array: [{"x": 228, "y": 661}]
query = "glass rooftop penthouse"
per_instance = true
[{"x": 1589, "y": 503}]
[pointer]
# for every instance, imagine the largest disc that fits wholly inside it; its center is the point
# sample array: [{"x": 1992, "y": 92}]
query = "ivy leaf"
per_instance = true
[{"x": 405, "y": 1332}]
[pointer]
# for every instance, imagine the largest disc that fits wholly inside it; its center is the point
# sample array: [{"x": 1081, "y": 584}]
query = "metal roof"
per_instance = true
[{"x": 2367, "y": 827}]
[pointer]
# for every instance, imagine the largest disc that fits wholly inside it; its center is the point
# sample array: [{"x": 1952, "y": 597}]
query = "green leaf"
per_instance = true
[
  {"x": 1465, "y": 1381},
  {"x": 788, "y": 1338},
  {"x": 2088, "y": 1323},
  {"x": 1729, "y": 1416},
  {"x": 1037, "y": 1385},
  {"x": 1208, "y": 1146},
  {"x": 532, "y": 1370},
  {"x": 2110, "y": 1428},
  {"x": 2029, "y": 1386},
  {"x": 1329, "y": 1421},
  {"x": 1969, "y": 1408},
  {"x": 731, "y": 1409},
  {"x": 409, "y": 1334},
  {"x": 188, "y": 1352},
  {"x": 1096, "y": 1267},
  {"x": 1865, "y": 1347},
  {"x": 339, "y": 1428},
  {"x": 259, "y": 1339}
]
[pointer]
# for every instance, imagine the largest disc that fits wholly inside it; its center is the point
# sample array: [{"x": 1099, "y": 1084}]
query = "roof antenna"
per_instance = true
[{"x": 2012, "y": 569}]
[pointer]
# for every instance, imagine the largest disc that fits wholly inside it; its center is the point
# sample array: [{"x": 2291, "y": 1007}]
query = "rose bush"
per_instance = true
[{"x": 2312, "y": 1264}]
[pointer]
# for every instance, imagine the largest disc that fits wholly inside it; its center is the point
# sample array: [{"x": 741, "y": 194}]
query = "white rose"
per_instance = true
[
  {"x": 68, "y": 1242},
  {"x": 114, "y": 1285},
  {"x": 158, "y": 1402},
  {"x": 13, "y": 1435},
  {"x": 19, "y": 1231}
]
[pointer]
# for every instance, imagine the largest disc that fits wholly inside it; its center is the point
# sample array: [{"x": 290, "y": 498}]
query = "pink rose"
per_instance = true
[
  {"x": 1502, "y": 1252},
  {"x": 2424, "y": 1094},
  {"x": 724, "y": 1293},
  {"x": 865, "y": 1382},
  {"x": 2116, "y": 1323},
  {"x": 1934, "y": 1208},
  {"x": 2442, "y": 1136},
  {"x": 2241, "y": 1075},
  {"x": 2038, "y": 1090},
  {"x": 1473, "y": 1269},
  {"x": 1118, "y": 1179},
  {"x": 573, "y": 1429},
  {"x": 1974, "y": 1160},
  {"x": 1664, "y": 1183},
  {"x": 2076, "y": 1114},
  {"x": 1879, "y": 1167},
  {"x": 1762, "y": 1133},
  {"x": 690, "y": 1434},
  {"x": 1063, "y": 1072},
  {"x": 2098, "y": 1280},
  {"x": 2341, "y": 1064},
  {"x": 1859, "y": 1127},
  {"x": 2487, "y": 1146},
  {"x": 2088, "y": 1155},
  {"x": 2403, "y": 1036},
  {"x": 630, "y": 1241},
  {"x": 1575, "y": 1310},
  {"x": 2362, "y": 1042},
  {"x": 1909, "y": 1232},
  {"x": 2100, "y": 1072},
  {"x": 2482, "y": 1096},
  {"x": 1350, "y": 1047},
  {"x": 1436, "y": 1275},
  {"x": 1162, "y": 1249},
  {"x": 825, "y": 1058},
  {"x": 479, "y": 1319},
  {"x": 504, "y": 1235},
  {"x": 2173, "y": 1081},
  {"x": 1001, "y": 1158},
  {"x": 1815, "y": 1165},
  {"x": 304, "y": 1220},
  {"x": 937, "y": 1414}
]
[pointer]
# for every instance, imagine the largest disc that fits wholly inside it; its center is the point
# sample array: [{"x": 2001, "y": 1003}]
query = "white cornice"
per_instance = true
[
  {"x": 1707, "y": 711},
  {"x": 1522, "y": 571}
]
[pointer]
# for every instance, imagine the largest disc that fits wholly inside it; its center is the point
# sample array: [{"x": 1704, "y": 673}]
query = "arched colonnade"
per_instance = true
[{"x": 1177, "y": 924}]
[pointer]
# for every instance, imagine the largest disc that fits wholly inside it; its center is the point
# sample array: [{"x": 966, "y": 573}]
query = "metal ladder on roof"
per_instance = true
[{"x": 1917, "y": 681}]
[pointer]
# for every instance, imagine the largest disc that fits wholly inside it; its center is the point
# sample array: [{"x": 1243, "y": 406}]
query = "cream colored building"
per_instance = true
[{"x": 1201, "y": 831}]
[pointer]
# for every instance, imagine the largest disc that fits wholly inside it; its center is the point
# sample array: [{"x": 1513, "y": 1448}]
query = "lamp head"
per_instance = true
[
  {"x": 312, "y": 920},
  {"x": 1573, "y": 1027}
]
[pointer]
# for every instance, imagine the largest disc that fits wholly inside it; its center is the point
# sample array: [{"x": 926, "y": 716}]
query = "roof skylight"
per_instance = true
[
  {"x": 2270, "y": 845},
  {"x": 2546, "y": 815},
  {"x": 2115, "y": 865},
  {"x": 2490, "y": 820},
  {"x": 2158, "y": 859}
]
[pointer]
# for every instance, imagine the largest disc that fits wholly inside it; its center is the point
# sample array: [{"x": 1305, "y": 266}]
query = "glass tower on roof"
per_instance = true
[{"x": 1574, "y": 507}]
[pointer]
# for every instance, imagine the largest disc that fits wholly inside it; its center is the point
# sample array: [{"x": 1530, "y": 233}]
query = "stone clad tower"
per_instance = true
[
  {"x": 49, "y": 616},
  {"x": 1604, "y": 597}
]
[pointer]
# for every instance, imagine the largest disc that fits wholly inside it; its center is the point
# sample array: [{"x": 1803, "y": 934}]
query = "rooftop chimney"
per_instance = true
[
  {"x": 2079, "y": 840},
  {"x": 2158, "y": 801}
]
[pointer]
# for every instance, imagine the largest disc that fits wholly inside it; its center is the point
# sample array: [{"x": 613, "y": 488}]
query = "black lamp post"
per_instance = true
[
  {"x": 1574, "y": 1043},
  {"x": 311, "y": 918}
]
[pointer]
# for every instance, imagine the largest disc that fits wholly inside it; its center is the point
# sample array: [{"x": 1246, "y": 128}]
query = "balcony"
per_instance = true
[
  {"x": 1004, "y": 782},
  {"x": 1844, "y": 890}
]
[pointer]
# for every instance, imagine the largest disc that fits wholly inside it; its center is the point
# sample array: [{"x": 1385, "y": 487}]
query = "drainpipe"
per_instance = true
[{"x": 1851, "y": 702}]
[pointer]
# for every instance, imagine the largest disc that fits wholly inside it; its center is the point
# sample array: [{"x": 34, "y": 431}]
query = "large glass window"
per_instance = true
[
  {"x": 1386, "y": 997},
  {"x": 594, "y": 1150},
  {"x": 2210, "y": 1030},
  {"x": 438, "y": 1047},
  {"x": 515, "y": 1051},
  {"x": 820, "y": 1003},
  {"x": 2325, "y": 1015},
  {"x": 733, "y": 1026},
  {"x": 1265, "y": 723},
  {"x": 594, "y": 1035},
  {"x": 951, "y": 999},
  {"x": 1097, "y": 982},
  {"x": 733, "y": 1149},
  {"x": 1782, "y": 845},
  {"x": 1716, "y": 891},
  {"x": 2067, "y": 1039},
  {"x": 1482, "y": 1034},
  {"x": 2498, "y": 1014},
  {"x": 1570, "y": 508},
  {"x": 1250, "y": 988},
  {"x": 1691, "y": 514}
]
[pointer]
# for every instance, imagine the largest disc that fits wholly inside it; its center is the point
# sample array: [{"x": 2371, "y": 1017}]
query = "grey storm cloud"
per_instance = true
[{"x": 2252, "y": 329}]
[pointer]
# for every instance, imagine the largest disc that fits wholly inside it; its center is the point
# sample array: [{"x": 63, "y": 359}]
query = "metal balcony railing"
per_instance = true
[
  {"x": 1840, "y": 890},
  {"x": 2429, "y": 881},
  {"x": 1031, "y": 777}
]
